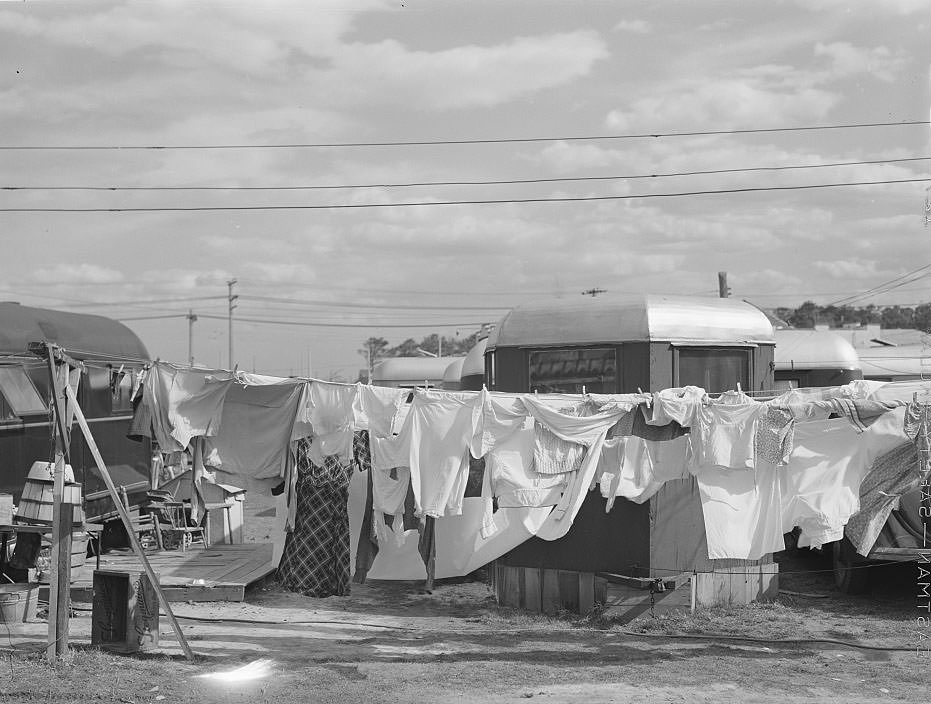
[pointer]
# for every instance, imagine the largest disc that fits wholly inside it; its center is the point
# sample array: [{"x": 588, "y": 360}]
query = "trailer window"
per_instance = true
[
  {"x": 18, "y": 397},
  {"x": 569, "y": 371},
  {"x": 714, "y": 370}
]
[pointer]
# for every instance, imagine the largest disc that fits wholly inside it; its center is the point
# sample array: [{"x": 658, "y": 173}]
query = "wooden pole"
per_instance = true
[
  {"x": 59, "y": 588},
  {"x": 60, "y": 572},
  {"x": 124, "y": 516}
]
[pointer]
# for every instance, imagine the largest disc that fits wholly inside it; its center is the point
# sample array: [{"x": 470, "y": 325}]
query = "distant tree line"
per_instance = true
[
  {"x": 376, "y": 348},
  {"x": 810, "y": 314}
]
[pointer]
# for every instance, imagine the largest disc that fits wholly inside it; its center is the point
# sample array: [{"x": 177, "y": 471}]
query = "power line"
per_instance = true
[
  {"x": 885, "y": 286},
  {"x": 154, "y": 317},
  {"x": 438, "y": 142},
  {"x": 340, "y": 304},
  {"x": 347, "y": 325},
  {"x": 492, "y": 182},
  {"x": 502, "y": 201},
  {"x": 146, "y": 301}
]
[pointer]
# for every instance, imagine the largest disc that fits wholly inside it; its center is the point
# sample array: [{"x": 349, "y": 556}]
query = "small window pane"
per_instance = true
[
  {"x": 568, "y": 371},
  {"x": 714, "y": 370},
  {"x": 19, "y": 392}
]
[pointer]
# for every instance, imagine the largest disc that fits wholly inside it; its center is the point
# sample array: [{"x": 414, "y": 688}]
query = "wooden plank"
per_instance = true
[
  {"x": 532, "y": 589},
  {"x": 510, "y": 586},
  {"x": 549, "y": 594},
  {"x": 601, "y": 590},
  {"x": 569, "y": 591},
  {"x": 586, "y": 592},
  {"x": 244, "y": 568}
]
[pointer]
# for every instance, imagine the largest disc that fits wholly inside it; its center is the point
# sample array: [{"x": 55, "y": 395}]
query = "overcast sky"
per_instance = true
[{"x": 269, "y": 74}]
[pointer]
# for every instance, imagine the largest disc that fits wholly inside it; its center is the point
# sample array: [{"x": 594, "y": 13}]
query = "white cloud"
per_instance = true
[
  {"x": 633, "y": 26},
  {"x": 83, "y": 273},
  {"x": 848, "y": 268},
  {"x": 463, "y": 76},
  {"x": 764, "y": 98},
  {"x": 847, "y": 59},
  {"x": 901, "y": 7}
]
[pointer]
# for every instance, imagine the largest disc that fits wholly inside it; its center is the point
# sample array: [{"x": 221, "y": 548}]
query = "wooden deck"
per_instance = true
[{"x": 217, "y": 573}]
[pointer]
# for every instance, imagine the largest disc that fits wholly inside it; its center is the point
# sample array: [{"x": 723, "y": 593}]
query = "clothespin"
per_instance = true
[{"x": 639, "y": 390}]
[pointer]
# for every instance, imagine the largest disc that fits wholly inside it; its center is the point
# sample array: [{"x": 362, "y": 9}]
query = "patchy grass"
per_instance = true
[{"x": 91, "y": 675}]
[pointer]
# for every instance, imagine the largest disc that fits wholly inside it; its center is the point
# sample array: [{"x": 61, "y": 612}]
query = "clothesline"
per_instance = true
[{"x": 761, "y": 467}]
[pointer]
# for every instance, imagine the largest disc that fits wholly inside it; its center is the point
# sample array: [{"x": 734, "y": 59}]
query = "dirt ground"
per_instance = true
[{"x": 387, "y": 642}]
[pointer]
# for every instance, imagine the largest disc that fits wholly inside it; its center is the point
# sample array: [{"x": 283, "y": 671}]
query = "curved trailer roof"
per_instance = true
[
  {"x": 584, "y": 320},
  {"x": 814, "y": 349},
  {"x": 411, "y": 369},
  {"x": 82, "y": 336}
]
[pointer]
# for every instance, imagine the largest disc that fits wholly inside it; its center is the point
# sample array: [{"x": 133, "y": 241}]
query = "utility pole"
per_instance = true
[
  {"x": 724, "y": 291},
  {"x": 191, "y": 319},
  {"x": 231, "y": 298}
]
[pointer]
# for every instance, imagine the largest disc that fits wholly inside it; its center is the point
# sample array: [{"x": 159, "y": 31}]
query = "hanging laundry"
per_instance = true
[
  {"x": 184, "y": 403},
  {"x": 895, "y": 473},
  {"x": 860, "y": 412},
  {"x": 552, "y": 454},
  {"x": 510, "y": 478},
  {"x": 329, "y": 410},
  {"x": 742, "y": 512},
  {"x": 441, "y": 426},
  {"x": 635, "y": 423},
  {"x": 625, "y": 469},
  {"x": 674, "y": 405},
  {"x": 315, "y": 561},
  {"x": 800, "y": 401},
  {"x": 671, "y": 459},
  {"x": 724, "y": 433},
  {"x": 775, "y": 435},
  {"x": 375, "y": 408},
  {"x": 253, "y": 440},
  {"x": 916, "y": 427},
  {"x": 820, "y": 485}
]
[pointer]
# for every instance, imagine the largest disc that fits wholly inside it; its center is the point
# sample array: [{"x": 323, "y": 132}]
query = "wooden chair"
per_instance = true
[
  {"x": 144, "y": 525},
  {"x": 173, "y": 524}
]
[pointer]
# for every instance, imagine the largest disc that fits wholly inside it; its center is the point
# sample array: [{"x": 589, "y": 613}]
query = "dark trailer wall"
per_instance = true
[
  {"x": 113, "y": 355},
  {"x": 619, "y": 345}
]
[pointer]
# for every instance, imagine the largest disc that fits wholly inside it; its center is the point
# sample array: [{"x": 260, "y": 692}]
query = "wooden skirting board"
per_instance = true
[{"x": 549, "y": 591}]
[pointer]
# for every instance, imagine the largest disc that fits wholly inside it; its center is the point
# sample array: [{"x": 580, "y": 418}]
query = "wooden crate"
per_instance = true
[{"x": 125, "y": 612}]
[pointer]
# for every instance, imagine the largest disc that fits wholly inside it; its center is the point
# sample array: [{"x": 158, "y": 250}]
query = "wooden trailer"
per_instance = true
[{"x": 612, "y": 345}]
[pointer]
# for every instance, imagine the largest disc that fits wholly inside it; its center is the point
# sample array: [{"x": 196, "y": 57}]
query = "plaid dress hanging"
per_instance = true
[{"x": 315, "y": 561}]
